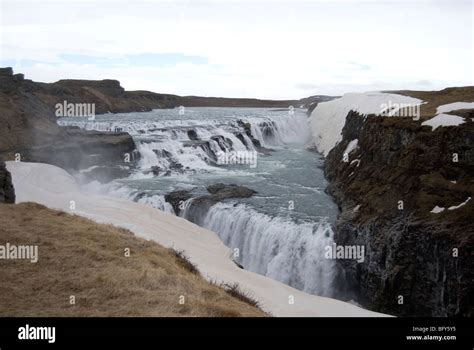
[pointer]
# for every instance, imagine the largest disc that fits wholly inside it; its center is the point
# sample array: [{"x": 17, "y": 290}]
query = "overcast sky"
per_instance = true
[{"x": 264, "y": 49}]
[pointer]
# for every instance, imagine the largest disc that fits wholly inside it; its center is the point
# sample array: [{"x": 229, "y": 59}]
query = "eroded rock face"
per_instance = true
[
  {"x": 106, "y": 95},
  {"x": 223, "y": 191},
  {"x": 386, "y": 190},
  {"x": 192, "y": 134},
  {"x": 29, "y": 129},
  {"x": 176, "y": 198},
  {"x": 248, "y": 131},
  {"x": 199, "y": 206},
  {"x": 7, "y": 192}
]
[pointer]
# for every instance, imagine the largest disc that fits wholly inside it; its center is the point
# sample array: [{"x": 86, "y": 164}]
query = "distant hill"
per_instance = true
[
  {"x": 311, "y": 102},
  {"x": 109, "y": 96}
]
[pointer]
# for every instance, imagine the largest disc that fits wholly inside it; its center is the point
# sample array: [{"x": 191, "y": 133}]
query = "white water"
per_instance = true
[
  {"x": 283, "y": 250},
  {"x": 152, "y": 137},
  {"x": 272, "y": 241}
]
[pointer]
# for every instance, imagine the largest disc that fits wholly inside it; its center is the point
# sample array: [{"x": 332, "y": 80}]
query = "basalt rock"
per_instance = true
[
  {"x": 108, "y": 96},
  {"x": 7, "y": 191},
  {"x": 176, "y": 198},
  {"x": 248, "y": 131},
  {"x": 30, "y": 132},
  {"x": 222, "y": 191},
  {"x": 386, "y": 191},
  {"x": 218, "y": 192},
  {"x": 192, "y": 134}
]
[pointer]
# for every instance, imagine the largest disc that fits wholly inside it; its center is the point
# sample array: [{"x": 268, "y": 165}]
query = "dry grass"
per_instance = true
[
  {"x": 184, "y": 261},
  {"x": 237, "y": 292},
  {"x": 82, "y": 258},
  {"x": 438, "y": 98}
]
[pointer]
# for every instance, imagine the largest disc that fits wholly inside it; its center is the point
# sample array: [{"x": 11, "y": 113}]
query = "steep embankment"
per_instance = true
[
  {"x": 89, "y": 269},
  {"x": 29, "y": 129},
  {"x": 404, "y": 188}
]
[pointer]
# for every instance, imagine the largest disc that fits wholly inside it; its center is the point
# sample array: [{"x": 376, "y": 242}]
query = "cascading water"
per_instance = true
[
  {"x": 193, "y": 144},
  {"x": 275, "y": 247},
  {"x": 280, "y": 232}
]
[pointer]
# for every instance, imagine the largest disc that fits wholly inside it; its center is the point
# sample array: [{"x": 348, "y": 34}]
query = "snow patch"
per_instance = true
[
  {"x": 356, "y": 161},
  {"x": 328, "y": 118},
  {"x": 454, "y": 107},
  {"x": 354, "y": 144},
  {"x": 454, "y": 207},
  {"x": 437, "y": 210},
  {"x": 444, "y": 120}
]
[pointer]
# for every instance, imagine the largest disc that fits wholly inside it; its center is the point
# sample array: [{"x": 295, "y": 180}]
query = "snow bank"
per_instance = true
[
  {"x": 444, "y": 120},
  {"x": 328, "y": 118},
  {"x": 454, "y": 107},
  {"x": 55, "y": 188}
]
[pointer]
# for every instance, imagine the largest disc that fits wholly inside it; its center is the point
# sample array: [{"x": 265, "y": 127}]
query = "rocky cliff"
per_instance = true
[
  {"x": 7, "y": 192},
  {"x": 419, "y": 261},
  {"x": 29, "y": 130},
  {"x": 107, "y": 96}
]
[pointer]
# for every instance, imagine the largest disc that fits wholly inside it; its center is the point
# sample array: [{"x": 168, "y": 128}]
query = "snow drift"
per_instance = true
[{"x": 328, "y": 118}]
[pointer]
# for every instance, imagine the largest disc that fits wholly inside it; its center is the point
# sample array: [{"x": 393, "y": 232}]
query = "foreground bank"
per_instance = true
[
  {"x": 55, "y": 188},
  {"x": 76, "y": 267}
]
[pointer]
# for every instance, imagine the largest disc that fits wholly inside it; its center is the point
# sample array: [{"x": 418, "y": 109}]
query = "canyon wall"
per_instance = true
[
  {"x": 7, "y": 192},
  {"x": 388, "y": 174},
  {"x": 29, "y": 130}
]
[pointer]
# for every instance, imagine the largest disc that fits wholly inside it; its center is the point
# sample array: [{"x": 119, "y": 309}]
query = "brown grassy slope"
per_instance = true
[
  {"x": 438, "y": 98},
  {"x": 82, "y": 258}
]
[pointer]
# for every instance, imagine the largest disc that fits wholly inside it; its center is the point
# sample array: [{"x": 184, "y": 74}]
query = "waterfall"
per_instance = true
[
  {"x": 280, "y": 248},
  {"x": 280, "y": 130},
  {"x": 188, "y": 145},
  {"x": 275, "y": 247}
]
